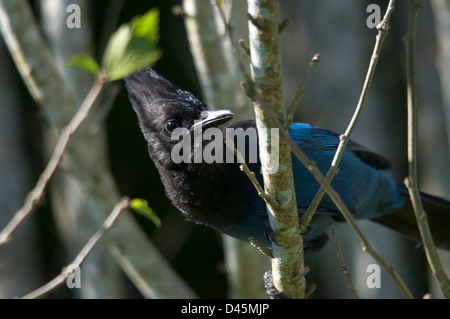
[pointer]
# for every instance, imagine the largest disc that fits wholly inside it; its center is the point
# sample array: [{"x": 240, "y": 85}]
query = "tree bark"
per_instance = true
[{"x": 287, "y": 261}]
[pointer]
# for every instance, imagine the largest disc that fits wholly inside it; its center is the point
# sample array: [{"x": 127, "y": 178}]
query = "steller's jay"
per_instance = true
[{"x": 221, "y": 196}]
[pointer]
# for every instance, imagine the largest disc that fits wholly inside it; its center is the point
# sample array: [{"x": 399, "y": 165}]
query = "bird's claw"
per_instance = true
[
  {"x": 271, "y": 291},
  {"x": 270, "y": 234}
]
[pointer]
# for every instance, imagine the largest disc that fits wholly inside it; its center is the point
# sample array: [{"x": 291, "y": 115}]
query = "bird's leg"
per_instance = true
[{"x": 308, "y": 229}]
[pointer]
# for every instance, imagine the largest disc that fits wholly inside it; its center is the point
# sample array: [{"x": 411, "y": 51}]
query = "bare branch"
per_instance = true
[
  {"x": 344, "y": 268},
  {"x": 383, "y": 28},
  {"x": 235, "y": 50},
  {"x": 335, "y": 197},
  {"x": 153, "y": 275},
  {"x": 251, "y": 175},
  {"x": 291, "y": 110},
  {"x": 35, "y": 195},
  {"x": 312, "y": 167},
  {"x": 65, "y": 273},
  {"x": 288, "y": 260},
  {"x": 412, "y": 180}
]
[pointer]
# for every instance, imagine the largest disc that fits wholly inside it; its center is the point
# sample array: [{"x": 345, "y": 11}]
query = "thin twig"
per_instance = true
[
  {"x": 230, "y": 33},
  {"x": 251, "y": 175},
  {"x": 344, "y": 268},
  {"x": 335, "y": 197},
  {"x": 412, "y": 180},
  {"x": 291, "y": 110},
  {"x": 153, "y": 276},
  {"x": 382, "y": 28},
  {"x": 310, "y": 290},
  {"x": 312, "y": 167},
  {"x": 62, "y": 277},
  {"x": 35, "y": 195},
  {"x": 264, "y": 250}
]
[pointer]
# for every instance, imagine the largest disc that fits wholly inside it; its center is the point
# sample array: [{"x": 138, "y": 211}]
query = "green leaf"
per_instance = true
[
  {"x": 141, "y": 206},
  {"x": 133, "y": 46},
  {"x": 85, "y": 62},
  {"x": 147, "y": 25}
]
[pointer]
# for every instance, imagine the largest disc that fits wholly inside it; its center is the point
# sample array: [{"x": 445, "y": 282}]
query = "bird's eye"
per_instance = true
[{"x": 171, "y": 125}]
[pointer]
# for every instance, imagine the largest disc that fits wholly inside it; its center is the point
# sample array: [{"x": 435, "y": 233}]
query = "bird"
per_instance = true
[{"x": 219, "y": 195}]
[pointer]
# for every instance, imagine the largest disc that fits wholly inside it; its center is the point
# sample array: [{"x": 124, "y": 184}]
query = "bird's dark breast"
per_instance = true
[{"x": 218, "y": 195}]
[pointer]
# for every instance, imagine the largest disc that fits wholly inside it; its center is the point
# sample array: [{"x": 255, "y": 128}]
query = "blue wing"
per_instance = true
[
  {"x": 309, "y": 138},
  {"x": 364, "y": 180}
]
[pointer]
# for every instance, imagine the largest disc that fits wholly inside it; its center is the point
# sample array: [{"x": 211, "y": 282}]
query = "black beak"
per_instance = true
[{"x": 212, "y": 118}]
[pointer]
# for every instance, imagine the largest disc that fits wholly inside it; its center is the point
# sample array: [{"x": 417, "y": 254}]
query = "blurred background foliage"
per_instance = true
[{"x": 335, "y": 29}]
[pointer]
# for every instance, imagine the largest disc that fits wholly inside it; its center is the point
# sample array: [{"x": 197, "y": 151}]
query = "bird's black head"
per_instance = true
[{"x": 162, "y": 107}]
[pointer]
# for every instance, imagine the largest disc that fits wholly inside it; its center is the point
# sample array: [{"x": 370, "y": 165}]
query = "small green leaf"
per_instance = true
[
  {"x": 219, "y": 3},
  {"x": 133, "y": 46},
  {"x": 141, "y": 206},
  {"x": 85, "y": 62},
  {"x": 147, "y": 25}
]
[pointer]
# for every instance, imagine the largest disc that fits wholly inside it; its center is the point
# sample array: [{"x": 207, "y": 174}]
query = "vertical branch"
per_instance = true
[
  {"x": 412, "y": 179},
  {"x": 287, "y": 262},
  {"x": 217, "y": 72}
]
